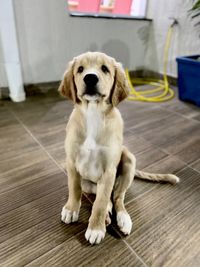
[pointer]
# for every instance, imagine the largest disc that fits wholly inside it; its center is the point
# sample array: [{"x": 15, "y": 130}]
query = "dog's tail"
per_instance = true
[{"x": 157, "y": 177}]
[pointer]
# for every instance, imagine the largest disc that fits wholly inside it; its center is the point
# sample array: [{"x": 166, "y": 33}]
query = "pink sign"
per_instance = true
[
  {"x": 88, "y": 6},
  {"x": 122, "y": 7}
]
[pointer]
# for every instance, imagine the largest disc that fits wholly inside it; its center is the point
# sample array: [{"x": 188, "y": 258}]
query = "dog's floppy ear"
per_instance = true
[
  {"x": 67, "y": 87},
  {"x": 120, "y": 88}
]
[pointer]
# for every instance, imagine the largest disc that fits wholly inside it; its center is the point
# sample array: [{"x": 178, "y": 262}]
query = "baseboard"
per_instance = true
[
  {"x": 4, "y": 93},
  {"x": 40, "y": 88},
  {"x": 152, "y": 74},
  {"x": 32, "y": 89}
]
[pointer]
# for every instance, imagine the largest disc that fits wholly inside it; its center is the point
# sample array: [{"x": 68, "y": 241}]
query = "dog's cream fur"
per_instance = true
[{"x": 97, "y": 162}]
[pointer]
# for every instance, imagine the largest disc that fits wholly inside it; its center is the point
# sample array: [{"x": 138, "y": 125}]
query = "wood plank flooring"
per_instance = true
[{"x": 165, "y": 137}]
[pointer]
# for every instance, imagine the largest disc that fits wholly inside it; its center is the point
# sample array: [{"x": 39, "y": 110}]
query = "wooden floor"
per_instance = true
[{"x": 33, "y": 188}]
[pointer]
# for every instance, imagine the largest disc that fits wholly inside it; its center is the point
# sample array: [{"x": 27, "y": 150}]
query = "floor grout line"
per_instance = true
[
  {"x": 129, "y": 247},
  {"x": 56, "y": 247},
  {"x": 34, "y": 200},
  {"x": 135, "y": 253},
  {"x": 37, "y": 141},
  {"x": 32, "y": 226},
  {"x": 151, "y": 144},
  {"x": 168, "y": 154},
  {"x": 181, "y": 115}
]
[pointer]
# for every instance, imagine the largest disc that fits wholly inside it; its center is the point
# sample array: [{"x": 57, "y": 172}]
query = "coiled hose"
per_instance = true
[{"x": 161, "y": 90}]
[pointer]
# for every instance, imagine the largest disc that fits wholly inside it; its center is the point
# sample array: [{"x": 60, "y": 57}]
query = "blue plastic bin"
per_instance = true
[{"x": 189, "y": 78}]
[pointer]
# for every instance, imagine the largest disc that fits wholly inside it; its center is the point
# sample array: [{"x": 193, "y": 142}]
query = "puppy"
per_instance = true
[{"x": 97, "y": 162}]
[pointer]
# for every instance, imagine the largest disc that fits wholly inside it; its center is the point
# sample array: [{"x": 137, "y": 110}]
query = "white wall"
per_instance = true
[
  {"x": 3, "y": 78},
  {"x": 49, "y": 38},
  {"x": 185, "y": 40},
  {"x": 10, "y": 56}
]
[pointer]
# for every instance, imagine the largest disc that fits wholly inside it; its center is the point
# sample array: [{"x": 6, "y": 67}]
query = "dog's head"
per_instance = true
[{"x": 94, "y": 76}]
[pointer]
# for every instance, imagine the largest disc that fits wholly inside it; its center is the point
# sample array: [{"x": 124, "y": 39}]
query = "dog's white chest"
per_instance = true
[{"x": 89, "y": 162}]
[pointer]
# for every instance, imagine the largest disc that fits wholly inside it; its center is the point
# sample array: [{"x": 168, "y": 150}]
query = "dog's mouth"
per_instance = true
[{"x": 92, "y": 95}]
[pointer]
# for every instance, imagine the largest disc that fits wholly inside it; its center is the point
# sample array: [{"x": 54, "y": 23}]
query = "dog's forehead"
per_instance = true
[{"x": 94, "y": 58}]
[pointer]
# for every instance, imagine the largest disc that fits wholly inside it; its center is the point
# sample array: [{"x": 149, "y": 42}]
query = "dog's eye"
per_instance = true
[
  {"x": 104, "y": 69},
  {"x": 80, "y": 69}
]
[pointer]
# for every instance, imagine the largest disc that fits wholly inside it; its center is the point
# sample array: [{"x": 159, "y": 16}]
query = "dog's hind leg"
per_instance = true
[{"x": 124, "y": 179}]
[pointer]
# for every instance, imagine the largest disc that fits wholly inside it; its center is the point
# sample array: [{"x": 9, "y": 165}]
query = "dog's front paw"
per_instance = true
[
  {"x": 124, "y": 222},
  {"x": 68, "y": 216},
  {"x": 94, "y": 236}
]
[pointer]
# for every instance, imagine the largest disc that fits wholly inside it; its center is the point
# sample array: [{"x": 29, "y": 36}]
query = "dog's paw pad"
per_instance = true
[
  {"x": 94, "y": 236},
  {"x": 124, "y": 222},
  {"x": 68, "y": 216}
]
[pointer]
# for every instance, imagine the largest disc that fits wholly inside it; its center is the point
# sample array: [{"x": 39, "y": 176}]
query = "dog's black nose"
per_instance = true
[{"x": 91, "y": 80}]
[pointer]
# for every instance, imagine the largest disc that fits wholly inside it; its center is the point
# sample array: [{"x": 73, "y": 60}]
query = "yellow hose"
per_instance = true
[{"x": 161, "y": 91}]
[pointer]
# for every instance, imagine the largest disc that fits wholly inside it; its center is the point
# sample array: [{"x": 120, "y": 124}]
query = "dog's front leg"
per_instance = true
[
  {"x": 70, "y": 211},
  {"x": 96, "y": 229}
]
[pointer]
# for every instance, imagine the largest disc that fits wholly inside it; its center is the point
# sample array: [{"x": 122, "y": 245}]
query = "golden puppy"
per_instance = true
[{"x": 97, "y": 162}]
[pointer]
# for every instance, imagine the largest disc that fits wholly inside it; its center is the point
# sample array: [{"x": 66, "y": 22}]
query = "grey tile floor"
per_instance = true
[{"x": 165, "y": 137}]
